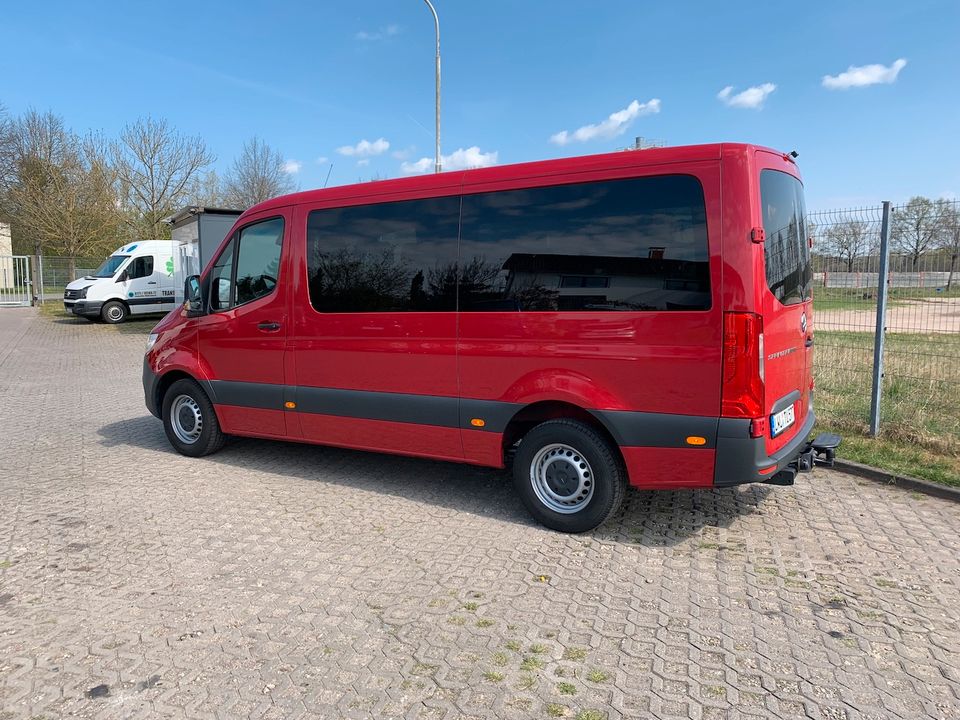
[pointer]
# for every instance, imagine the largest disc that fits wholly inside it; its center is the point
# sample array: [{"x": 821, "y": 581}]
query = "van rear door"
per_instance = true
[{"x": 786, "y": 301}]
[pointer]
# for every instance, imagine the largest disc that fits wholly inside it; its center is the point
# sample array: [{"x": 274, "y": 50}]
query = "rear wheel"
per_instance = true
[
  {"x": 190, "y": 421},
  {"x": 114, "y": 312},
  {"x": 569, "y": 476}
]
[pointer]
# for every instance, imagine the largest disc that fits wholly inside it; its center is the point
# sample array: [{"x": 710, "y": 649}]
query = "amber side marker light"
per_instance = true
[
  {"x": 289, "y": 405},
  {"x": 477, "y": 422},
  {"x": 696, "y": 440}
]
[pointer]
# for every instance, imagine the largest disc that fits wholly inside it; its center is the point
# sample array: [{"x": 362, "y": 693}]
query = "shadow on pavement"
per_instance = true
[{"x": 648, "y": 518}]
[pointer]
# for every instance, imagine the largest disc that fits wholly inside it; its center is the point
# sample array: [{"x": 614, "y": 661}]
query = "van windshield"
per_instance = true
[
  {"x": 110, "y": 266},
  {"x": 787, "y": 250}
]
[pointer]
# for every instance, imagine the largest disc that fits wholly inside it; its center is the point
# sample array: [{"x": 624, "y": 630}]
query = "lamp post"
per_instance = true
[{"x": 436, "y": 24}]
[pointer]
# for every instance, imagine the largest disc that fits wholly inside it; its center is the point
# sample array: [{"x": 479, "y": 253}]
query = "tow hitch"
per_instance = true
[{"x": 822, "y": 450}]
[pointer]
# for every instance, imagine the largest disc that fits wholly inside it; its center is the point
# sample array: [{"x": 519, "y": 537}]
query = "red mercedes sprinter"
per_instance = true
[{"x": 634, "y": 318}]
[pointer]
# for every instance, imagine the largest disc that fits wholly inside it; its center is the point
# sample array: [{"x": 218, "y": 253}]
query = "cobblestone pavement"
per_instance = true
[{"x": 276, "y": 580}]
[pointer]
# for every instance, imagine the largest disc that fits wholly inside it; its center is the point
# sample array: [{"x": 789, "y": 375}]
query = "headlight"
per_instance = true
[
  {"x": 151, "y": 341},
  {"x": 83, "y": 293}
]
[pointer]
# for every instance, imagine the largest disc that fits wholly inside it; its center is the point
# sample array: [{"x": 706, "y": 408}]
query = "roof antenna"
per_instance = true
[
  {"x": 794, "y": 154},
  {"x": 328, "y": 175}
]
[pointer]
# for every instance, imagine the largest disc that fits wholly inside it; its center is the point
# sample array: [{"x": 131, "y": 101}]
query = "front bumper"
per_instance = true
[
  {"x": 85, "y": 308},
  {"x": 150, "y": 380},
  {"x": 740, "y": 458}
]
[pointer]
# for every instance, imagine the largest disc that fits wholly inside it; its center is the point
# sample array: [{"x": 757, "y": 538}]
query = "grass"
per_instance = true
[
  {"x": 902, "y": 458},
  {"x": 919, "y": 407},
  {"x": 920, "y": 401}
]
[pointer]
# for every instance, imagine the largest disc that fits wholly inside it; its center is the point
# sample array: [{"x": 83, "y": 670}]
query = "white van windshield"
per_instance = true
[{"x": 110, "y": 265}]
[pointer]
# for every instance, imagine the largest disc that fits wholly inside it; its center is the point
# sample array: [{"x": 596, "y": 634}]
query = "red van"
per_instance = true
[{"x": 638, "y": 318}]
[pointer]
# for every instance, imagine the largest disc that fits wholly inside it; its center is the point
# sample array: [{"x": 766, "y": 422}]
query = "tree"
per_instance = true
[
  {"x": 949, "y": 212},
  {"x": 916, "y": 226},
  {"x": 63, "y": 197},
  {"x": 256, "y": 175},
  {"x": 848, "y": 240},
  {"x": 209, "y": 191},
  {"x": 157, "y": 172},
  {"x": 8, "y": 145}
]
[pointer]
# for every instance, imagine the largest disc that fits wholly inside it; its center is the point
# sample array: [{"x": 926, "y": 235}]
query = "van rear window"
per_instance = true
[{"x": 787, "y": 251}]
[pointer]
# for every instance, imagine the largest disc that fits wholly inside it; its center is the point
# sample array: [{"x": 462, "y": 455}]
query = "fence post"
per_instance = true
[
  {"x": 36, "y": 297},
  {"x": 881, "y": 321}
]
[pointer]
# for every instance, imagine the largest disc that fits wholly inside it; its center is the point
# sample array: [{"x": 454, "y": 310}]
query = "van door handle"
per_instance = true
[
  {"x": 269, "y": 326},
  {"x": 152, "y": 282}
]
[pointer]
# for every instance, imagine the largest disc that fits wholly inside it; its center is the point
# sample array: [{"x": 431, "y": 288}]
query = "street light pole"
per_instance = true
[{"x": 436, "y": 23}]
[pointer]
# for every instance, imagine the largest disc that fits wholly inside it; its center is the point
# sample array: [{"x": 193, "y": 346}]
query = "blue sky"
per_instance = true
[{"x": 311, "y": 78}]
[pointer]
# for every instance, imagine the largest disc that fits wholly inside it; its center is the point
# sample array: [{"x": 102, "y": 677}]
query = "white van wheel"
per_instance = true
[{"x": 114, "y": 312}]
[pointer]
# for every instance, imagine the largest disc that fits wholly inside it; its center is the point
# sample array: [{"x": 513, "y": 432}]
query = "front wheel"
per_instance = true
[
  {"x": 190, "y": 421},
  {"x": 114, "y": 312},
  {"x": 569, "y": 476}
]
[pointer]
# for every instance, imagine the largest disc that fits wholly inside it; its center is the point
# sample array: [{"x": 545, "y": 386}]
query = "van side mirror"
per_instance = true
[{"x": 193, "y": 298}]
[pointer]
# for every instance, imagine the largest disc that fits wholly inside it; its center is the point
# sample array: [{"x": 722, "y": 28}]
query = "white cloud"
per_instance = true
[
  {"x": 365, "y": 148},
  {"x": 614, "y": 125},
  {"x": 864, "y": 75},
  {"x": 752, "y": 98},
  {"x": 379, "y": 34},
  {"x": 363, "y": 163},
  {"x": 461, "y": 159},
  {"x": 323, "y": 160},
  {"x": 292, "y": 167}
]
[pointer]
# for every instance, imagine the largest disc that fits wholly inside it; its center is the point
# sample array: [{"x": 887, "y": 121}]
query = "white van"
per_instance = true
[{"x": 137, "y": 279}]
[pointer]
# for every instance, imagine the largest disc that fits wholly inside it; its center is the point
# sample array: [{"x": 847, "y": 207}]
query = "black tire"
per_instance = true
[
  {"x": 584, "y": 469},
  {"x": 195, "y": 406},
  {"x": 114, "y": 312}
]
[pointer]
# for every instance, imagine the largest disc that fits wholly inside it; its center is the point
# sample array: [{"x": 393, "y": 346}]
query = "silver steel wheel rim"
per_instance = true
[
  {"x": 186, "y": 419},
  {"x": 562, "y": 479},
  {"x": 114, "y": 312}
]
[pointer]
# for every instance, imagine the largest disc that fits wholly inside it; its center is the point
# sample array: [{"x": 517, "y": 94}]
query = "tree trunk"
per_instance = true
[
  {"x": 953, "y": 262},
  {"x": 71, "y": 269}
]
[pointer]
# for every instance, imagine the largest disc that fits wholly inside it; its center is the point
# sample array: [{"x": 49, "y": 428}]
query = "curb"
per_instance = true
[{"x": 945, "y": 492}]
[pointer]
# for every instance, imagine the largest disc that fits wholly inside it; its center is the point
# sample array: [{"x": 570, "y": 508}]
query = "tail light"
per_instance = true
[{"x": 742, "y": 394}]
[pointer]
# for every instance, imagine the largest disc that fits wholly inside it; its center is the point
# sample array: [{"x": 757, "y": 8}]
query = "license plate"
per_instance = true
[{"x": 782, "y": 420}]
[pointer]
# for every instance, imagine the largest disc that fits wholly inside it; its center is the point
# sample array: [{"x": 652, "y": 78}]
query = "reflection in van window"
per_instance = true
[
  {"x": 110, "y": 266},
  {"x": 258, "y": 260},
  {"x": 389, "y": 257},
  {"x": 786, "y": 249},
  {"x": 141, "y": 267},
  {"x": 637, "y": 244}
]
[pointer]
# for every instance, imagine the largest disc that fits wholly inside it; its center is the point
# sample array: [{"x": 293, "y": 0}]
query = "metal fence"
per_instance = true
[
  {"x": 887, "y": 319},
  {"x": 54, "y": 273}
]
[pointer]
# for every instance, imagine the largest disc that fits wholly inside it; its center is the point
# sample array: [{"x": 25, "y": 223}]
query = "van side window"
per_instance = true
[
  {"x": 389, "y": 257},
  {"x": 220, "y": 276},
  {"x": 258, "y": 260},
  {"x": 786, "y": 249},
  {"x": 257, "y": 266},
  {"x": 628, "y": 245},
  {"x": 140, "y": 267}
]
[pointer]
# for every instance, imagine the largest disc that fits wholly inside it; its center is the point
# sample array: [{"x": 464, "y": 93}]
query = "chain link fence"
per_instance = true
[
  {"x": 55, "y": 273},
  {"x": 918, "y": 335}
]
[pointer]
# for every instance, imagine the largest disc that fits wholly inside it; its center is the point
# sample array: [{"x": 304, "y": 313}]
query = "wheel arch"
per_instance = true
[{"x": 529, "y": 416}]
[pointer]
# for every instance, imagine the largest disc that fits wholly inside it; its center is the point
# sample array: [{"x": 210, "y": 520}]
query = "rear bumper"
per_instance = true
[{"x": 740, "y": 458}]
